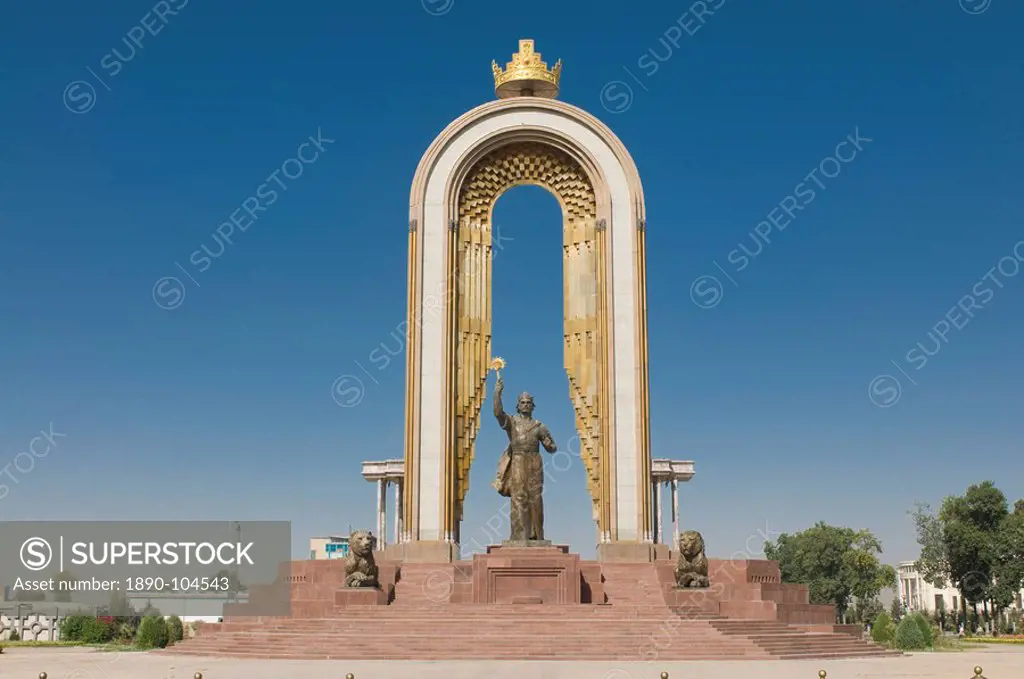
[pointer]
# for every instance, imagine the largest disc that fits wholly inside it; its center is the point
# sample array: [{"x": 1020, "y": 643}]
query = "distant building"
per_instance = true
[
  {"x": 330, "y": 547},
  {"x": 917, "y": 594}
]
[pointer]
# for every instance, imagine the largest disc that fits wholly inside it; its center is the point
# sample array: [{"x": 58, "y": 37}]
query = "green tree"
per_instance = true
[
  {"x": 63, "y": 593},
  {"x": 151, "y": 611},
  {"x": 119, "y": 605},
  {"x": 835, "y": 563},
  {"x": 962, "y": 544},
  {"x": 933, "y": 563},
  {"x": 28, "y": 595},
  {"x": 1008, "y": 567},
  {"x": 896, "y": 609},
  {"x": 869, "y": 609},
  {"x": 234, "y": 584}
]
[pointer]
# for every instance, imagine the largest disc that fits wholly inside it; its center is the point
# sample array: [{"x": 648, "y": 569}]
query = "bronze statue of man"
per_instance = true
[{"x": 521, "y": 471}]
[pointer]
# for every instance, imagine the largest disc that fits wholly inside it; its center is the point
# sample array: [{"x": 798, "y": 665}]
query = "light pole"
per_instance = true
[{"x": 238, "y": 580}]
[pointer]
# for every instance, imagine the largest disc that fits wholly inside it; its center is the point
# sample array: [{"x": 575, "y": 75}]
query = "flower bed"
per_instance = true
[{"x": 1005, "y": 639}]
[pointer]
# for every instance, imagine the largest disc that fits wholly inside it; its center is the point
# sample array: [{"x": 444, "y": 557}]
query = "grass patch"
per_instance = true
[
  {"x": 39, "y": 644},
  {"x": 993, "y": 640},
  {"x": 118, "y": 648},
  {"x": 112, "y": 647}
]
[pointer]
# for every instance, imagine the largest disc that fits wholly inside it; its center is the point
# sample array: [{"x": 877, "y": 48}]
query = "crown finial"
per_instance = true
[{"x": 526, "y": 75}]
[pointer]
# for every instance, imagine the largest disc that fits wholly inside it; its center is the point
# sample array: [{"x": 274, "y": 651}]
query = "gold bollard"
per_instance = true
[
  {"x": 664, "y": 675},
  {"x": 350, "y": 676},
  {"x": 197, "y": 675},
  {"x": 822, "y": 674},
  {"x": 977, "y": 672},
  {"x": 42, "y": 675}
]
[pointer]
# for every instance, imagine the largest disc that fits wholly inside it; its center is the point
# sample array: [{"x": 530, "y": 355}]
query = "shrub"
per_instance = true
[
  {"x": 126, "y": 630},
  {"x": 72, "y": 626},
  {"x": 87, "y": 629},
  {"x": 98, "y": 631},
  {"x": 883, "y": 630},
  {"x": 152, "y": 633},
  {"x": 175, "y": 629},
  {"x": 926, "y": 628},
  {"x": 14, "y": 636},
  {"x": 909, "y": 636}
]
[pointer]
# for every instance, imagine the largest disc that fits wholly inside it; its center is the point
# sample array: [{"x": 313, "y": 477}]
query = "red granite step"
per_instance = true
[
  {"x": 456, "y": 631},
  {"x": 633, "y": 584},
  {"x": 430, "y": 618},
  {"x": 785, "y": 641}
]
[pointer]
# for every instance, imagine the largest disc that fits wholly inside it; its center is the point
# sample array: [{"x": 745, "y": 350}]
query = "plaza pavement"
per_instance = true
[{"x": 999, "y": 662}]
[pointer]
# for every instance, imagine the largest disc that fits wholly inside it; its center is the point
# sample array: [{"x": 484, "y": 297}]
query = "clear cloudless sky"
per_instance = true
[{"x": 223, "y": 407}]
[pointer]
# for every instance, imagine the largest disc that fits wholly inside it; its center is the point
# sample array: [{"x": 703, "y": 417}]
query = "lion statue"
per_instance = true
[
  {"x": 692, "y": 566},
  {"x": 360, "y": 568}
]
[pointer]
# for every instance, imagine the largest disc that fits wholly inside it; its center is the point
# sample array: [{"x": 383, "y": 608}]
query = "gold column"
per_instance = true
[
  {"x": 581, "y": 339},
  {"x": 641, "y": 323},
  {"x": 451, "y": 339},
  {"x": 473, "y": 348},
  {"x": 606, "y": 470},
  {"x": 412, "y": 383}
]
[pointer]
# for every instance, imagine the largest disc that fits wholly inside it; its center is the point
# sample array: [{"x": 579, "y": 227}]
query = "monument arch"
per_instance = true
[
  {"x": 526, "y": 137},
  {"x": 388, "y": 603}
]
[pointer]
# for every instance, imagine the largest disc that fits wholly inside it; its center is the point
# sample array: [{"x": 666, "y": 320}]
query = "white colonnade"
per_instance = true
[
  {"x": 387, "y": 473},
  {"x": 665, "y": 472}
]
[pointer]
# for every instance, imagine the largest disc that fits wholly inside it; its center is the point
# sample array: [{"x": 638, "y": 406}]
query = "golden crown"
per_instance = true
[{"x": 526, "y": 75}]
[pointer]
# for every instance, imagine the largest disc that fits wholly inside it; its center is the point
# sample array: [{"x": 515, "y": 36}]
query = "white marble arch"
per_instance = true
[{"x": 433, "y": 205}]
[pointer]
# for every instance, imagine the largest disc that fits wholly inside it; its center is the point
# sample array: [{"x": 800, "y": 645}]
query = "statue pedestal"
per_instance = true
[
  {"x": 513, "y": 574},
  {"x": 626, "y": 552},
  {"x": 525, "y": 543},
  {"x": 348, "y": 597}
]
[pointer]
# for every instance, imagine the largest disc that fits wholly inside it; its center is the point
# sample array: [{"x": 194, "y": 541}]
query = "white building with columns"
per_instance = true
[
  {"x": 665, "y": 473},
  {"x": 917, "y": 594}
]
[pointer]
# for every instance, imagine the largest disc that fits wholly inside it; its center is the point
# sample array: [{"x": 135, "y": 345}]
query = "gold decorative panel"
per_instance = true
[{"x": 583, "y": 278}]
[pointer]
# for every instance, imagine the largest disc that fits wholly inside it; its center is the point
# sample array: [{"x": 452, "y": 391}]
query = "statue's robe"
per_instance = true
[{"x": 520, "y": 477}]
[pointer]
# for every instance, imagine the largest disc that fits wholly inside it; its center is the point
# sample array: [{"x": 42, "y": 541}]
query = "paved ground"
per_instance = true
[{"x": 26, "y": 663}]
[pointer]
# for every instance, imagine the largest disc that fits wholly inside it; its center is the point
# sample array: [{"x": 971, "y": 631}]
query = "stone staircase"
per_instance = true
[
  {"x": 633, "y": 584},
  {"x": 634, "y": 614},
  {"x": 481, "y": 631},
  {"x": 787, "y": 642}
]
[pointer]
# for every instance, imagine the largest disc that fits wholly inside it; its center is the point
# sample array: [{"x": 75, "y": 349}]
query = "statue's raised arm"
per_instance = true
[{"x": 499, "y": 412}]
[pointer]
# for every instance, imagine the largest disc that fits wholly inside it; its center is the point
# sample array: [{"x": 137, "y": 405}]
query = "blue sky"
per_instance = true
[{"x": 222, "y": 407}]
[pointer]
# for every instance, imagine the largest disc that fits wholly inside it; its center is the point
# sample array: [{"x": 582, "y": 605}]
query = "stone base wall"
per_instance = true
[
  {"x": 740, "y": 588},
  {"x": 31, "y": 627}
]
